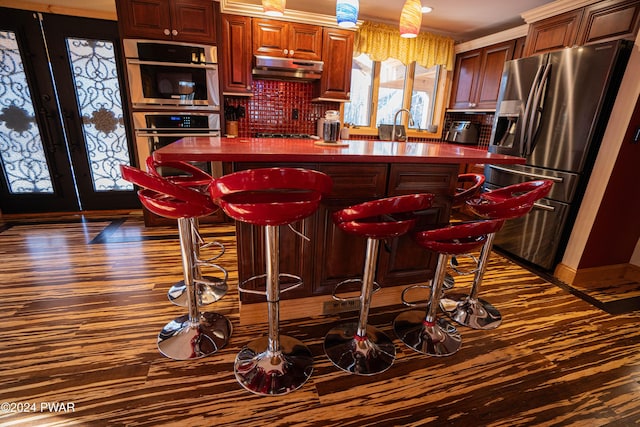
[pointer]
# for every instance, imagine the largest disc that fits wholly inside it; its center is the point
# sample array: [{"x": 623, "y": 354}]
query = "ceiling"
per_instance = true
[{"x": 462, "y": 20}]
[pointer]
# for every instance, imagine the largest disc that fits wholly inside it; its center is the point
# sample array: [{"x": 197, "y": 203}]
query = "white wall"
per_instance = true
[{"x": 611, "y": 143}]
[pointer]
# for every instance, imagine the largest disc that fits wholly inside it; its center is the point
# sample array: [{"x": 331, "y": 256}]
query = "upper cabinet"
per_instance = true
[
  {"x": 595, "y": 23},
  {"x": 236, "y": 55},
  {"x": 178, "y": 20},
  {"x": 287, "y": 39},
  {"x": 335, "y": 83},
  {"x": 477, "y": 74}
]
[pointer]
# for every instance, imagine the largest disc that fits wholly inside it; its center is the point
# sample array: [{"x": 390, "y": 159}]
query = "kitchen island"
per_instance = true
[{"x": 361, "y": 170}]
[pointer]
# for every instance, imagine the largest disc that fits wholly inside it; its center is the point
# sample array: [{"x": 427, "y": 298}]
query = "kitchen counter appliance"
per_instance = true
[
  {"x": 552, "y": 110},
  {"x": 462, "y": 132}
]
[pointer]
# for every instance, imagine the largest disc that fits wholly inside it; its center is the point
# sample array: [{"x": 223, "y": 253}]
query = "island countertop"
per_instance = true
[{"x": 308, "y": 150}]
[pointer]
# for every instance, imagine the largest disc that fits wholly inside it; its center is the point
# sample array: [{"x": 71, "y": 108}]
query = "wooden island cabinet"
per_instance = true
[
  {"x": 361, "y": 171},
  {"x": 331, "y": 255}
]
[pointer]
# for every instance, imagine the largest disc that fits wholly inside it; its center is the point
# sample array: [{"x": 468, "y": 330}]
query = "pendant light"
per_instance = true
[
  {"x": 347, "y": 13},
  {"x": 273, "y": 7},
  {"x": 411, "y": 19}
]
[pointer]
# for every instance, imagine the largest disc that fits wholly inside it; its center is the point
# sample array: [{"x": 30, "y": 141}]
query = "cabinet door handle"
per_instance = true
[
  {"x": 291, "y": 52},
  {"x": 286, "y": 51},
  {"x": 167, "y": 32},
  {"x": 472, "y": 104},
  {"x": 174, "y": 32}
]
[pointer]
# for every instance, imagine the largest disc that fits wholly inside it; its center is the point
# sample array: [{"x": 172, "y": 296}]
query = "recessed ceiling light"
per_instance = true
[{"x": 426, "y": 9}]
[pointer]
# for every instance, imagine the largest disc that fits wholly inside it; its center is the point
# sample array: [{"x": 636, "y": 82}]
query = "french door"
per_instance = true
[{"x": 62, "y": 120}]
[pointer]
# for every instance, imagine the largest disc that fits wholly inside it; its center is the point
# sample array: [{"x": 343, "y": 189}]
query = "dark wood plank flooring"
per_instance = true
[{"x": 83, "y": 298}]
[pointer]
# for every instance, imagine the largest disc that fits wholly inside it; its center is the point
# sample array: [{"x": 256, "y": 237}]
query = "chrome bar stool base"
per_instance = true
[
  {"x": 182, "y": 339},
  {"x": 475, "y": 313},
  {"x": 440, "y": 338},
  {"x": 273, "y": 373},
  {"x": 210, "y": 290},
  {"x": 367, "y": 355}
]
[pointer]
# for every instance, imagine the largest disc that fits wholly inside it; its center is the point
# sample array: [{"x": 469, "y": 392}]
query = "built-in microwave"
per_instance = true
[{"x": 170, "y": 75}]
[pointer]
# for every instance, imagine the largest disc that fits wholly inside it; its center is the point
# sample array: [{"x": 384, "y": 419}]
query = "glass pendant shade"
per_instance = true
[
  {"x": 347, "y": 13},
  {"x": 273, "y": 7},
  {"x": 410, "y": 19}
]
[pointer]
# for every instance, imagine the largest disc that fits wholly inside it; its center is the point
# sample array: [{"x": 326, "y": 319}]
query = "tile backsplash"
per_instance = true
[{"x": 274, "y": 106}]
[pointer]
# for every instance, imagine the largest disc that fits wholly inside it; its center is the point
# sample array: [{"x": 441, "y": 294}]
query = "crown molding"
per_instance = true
[
  {"x": 236, "y": 8},
  {"x": 553, "y": 9},
  {"x": 502, "y": 36}
]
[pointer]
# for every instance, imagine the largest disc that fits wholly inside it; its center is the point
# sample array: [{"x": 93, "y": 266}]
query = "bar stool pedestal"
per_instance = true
[{"x": 357, "y": 347}]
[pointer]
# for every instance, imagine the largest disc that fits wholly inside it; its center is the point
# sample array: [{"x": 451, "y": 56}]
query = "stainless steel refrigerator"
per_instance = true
[{"x": 552, "y": 109}]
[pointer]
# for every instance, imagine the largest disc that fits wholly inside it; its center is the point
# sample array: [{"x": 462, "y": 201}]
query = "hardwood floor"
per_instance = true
[{"x": 84, "y": 297}]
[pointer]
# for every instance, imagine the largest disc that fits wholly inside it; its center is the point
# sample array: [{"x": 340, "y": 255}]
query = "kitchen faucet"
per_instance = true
[{"x": 395, "y": 118}]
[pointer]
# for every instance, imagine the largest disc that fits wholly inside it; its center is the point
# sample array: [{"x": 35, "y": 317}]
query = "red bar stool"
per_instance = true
[
  {"x": 504, "y": 203},
  {"x": 209, "y": 289},
  {"x": 270, "y": 197},
  {"x": 357, "y": 347},
  {"x": 431, "y": 334},
  {"x": 195, "y": 334},
  {"x": 468, "y": 186}
]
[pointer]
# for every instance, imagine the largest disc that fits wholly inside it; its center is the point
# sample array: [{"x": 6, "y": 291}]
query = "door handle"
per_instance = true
[
  {"x": 67, "y": 117},
  {"x": 544, "y": 207},
  {"x": 49, "y": 142},
  {"x": 527, "y": 174}
]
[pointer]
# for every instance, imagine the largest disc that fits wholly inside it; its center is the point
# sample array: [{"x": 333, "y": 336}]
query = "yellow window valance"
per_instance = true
[{"x": 381, "y": 41}]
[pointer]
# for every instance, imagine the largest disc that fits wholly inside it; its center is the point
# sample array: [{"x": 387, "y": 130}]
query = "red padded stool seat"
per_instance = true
[
  {"x": 195, "y": 334},
  {"x": 430, "y": 334},
  {"x": 504, "y": 203},
  {"x": 270, "y": 197},
  {"x": 209, "y": 288},
  {"x": 357, "y": 347}
]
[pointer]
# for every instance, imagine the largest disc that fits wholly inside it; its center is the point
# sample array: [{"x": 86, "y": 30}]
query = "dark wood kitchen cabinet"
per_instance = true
[
  {"x": 287, "y": 39},
  {"x": 609, "y": 20},
  {"x": 236, "y": 55},
  {"x": 177, "y": 20},
  {"x": 598, "y": 22},
  {"x": 477, "y": 73},
  {"x": 335, "y": 83},
  {"x": 553, "y": 33},
  {"x": 332, "y": 255}
]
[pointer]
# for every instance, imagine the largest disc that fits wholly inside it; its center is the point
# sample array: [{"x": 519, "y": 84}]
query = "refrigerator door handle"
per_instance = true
[
  {"x": 544, "y": 207},
  {"x": 529, "y": 175},
  {"x": 535, "y": 110},
  {"x": 527, "y": 111}
]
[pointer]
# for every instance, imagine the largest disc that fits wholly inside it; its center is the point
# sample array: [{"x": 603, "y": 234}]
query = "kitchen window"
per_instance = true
[{"x": 380, "y": 88}]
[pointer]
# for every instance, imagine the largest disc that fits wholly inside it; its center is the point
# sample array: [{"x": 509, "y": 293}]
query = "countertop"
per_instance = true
[{"x": 306, "y": 150}]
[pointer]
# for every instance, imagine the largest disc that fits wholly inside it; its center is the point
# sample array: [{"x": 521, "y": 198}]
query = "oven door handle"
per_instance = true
[
  {"x": 527, "y": 174},
  {"x": 167, "y": 64},
  {"x": 180, "y": 134}
]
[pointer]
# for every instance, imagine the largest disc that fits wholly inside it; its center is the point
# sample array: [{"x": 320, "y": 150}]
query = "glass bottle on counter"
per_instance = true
[{"x": 331, "y": 126}]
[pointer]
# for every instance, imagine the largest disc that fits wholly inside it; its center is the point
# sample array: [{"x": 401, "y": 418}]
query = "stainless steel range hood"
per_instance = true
[{"x": 271, "y": 67}]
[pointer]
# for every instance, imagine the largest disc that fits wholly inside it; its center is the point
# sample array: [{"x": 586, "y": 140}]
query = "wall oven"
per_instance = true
[
  {"x": 156, "y": 129},
  {"x": 170, "y": 75}
]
